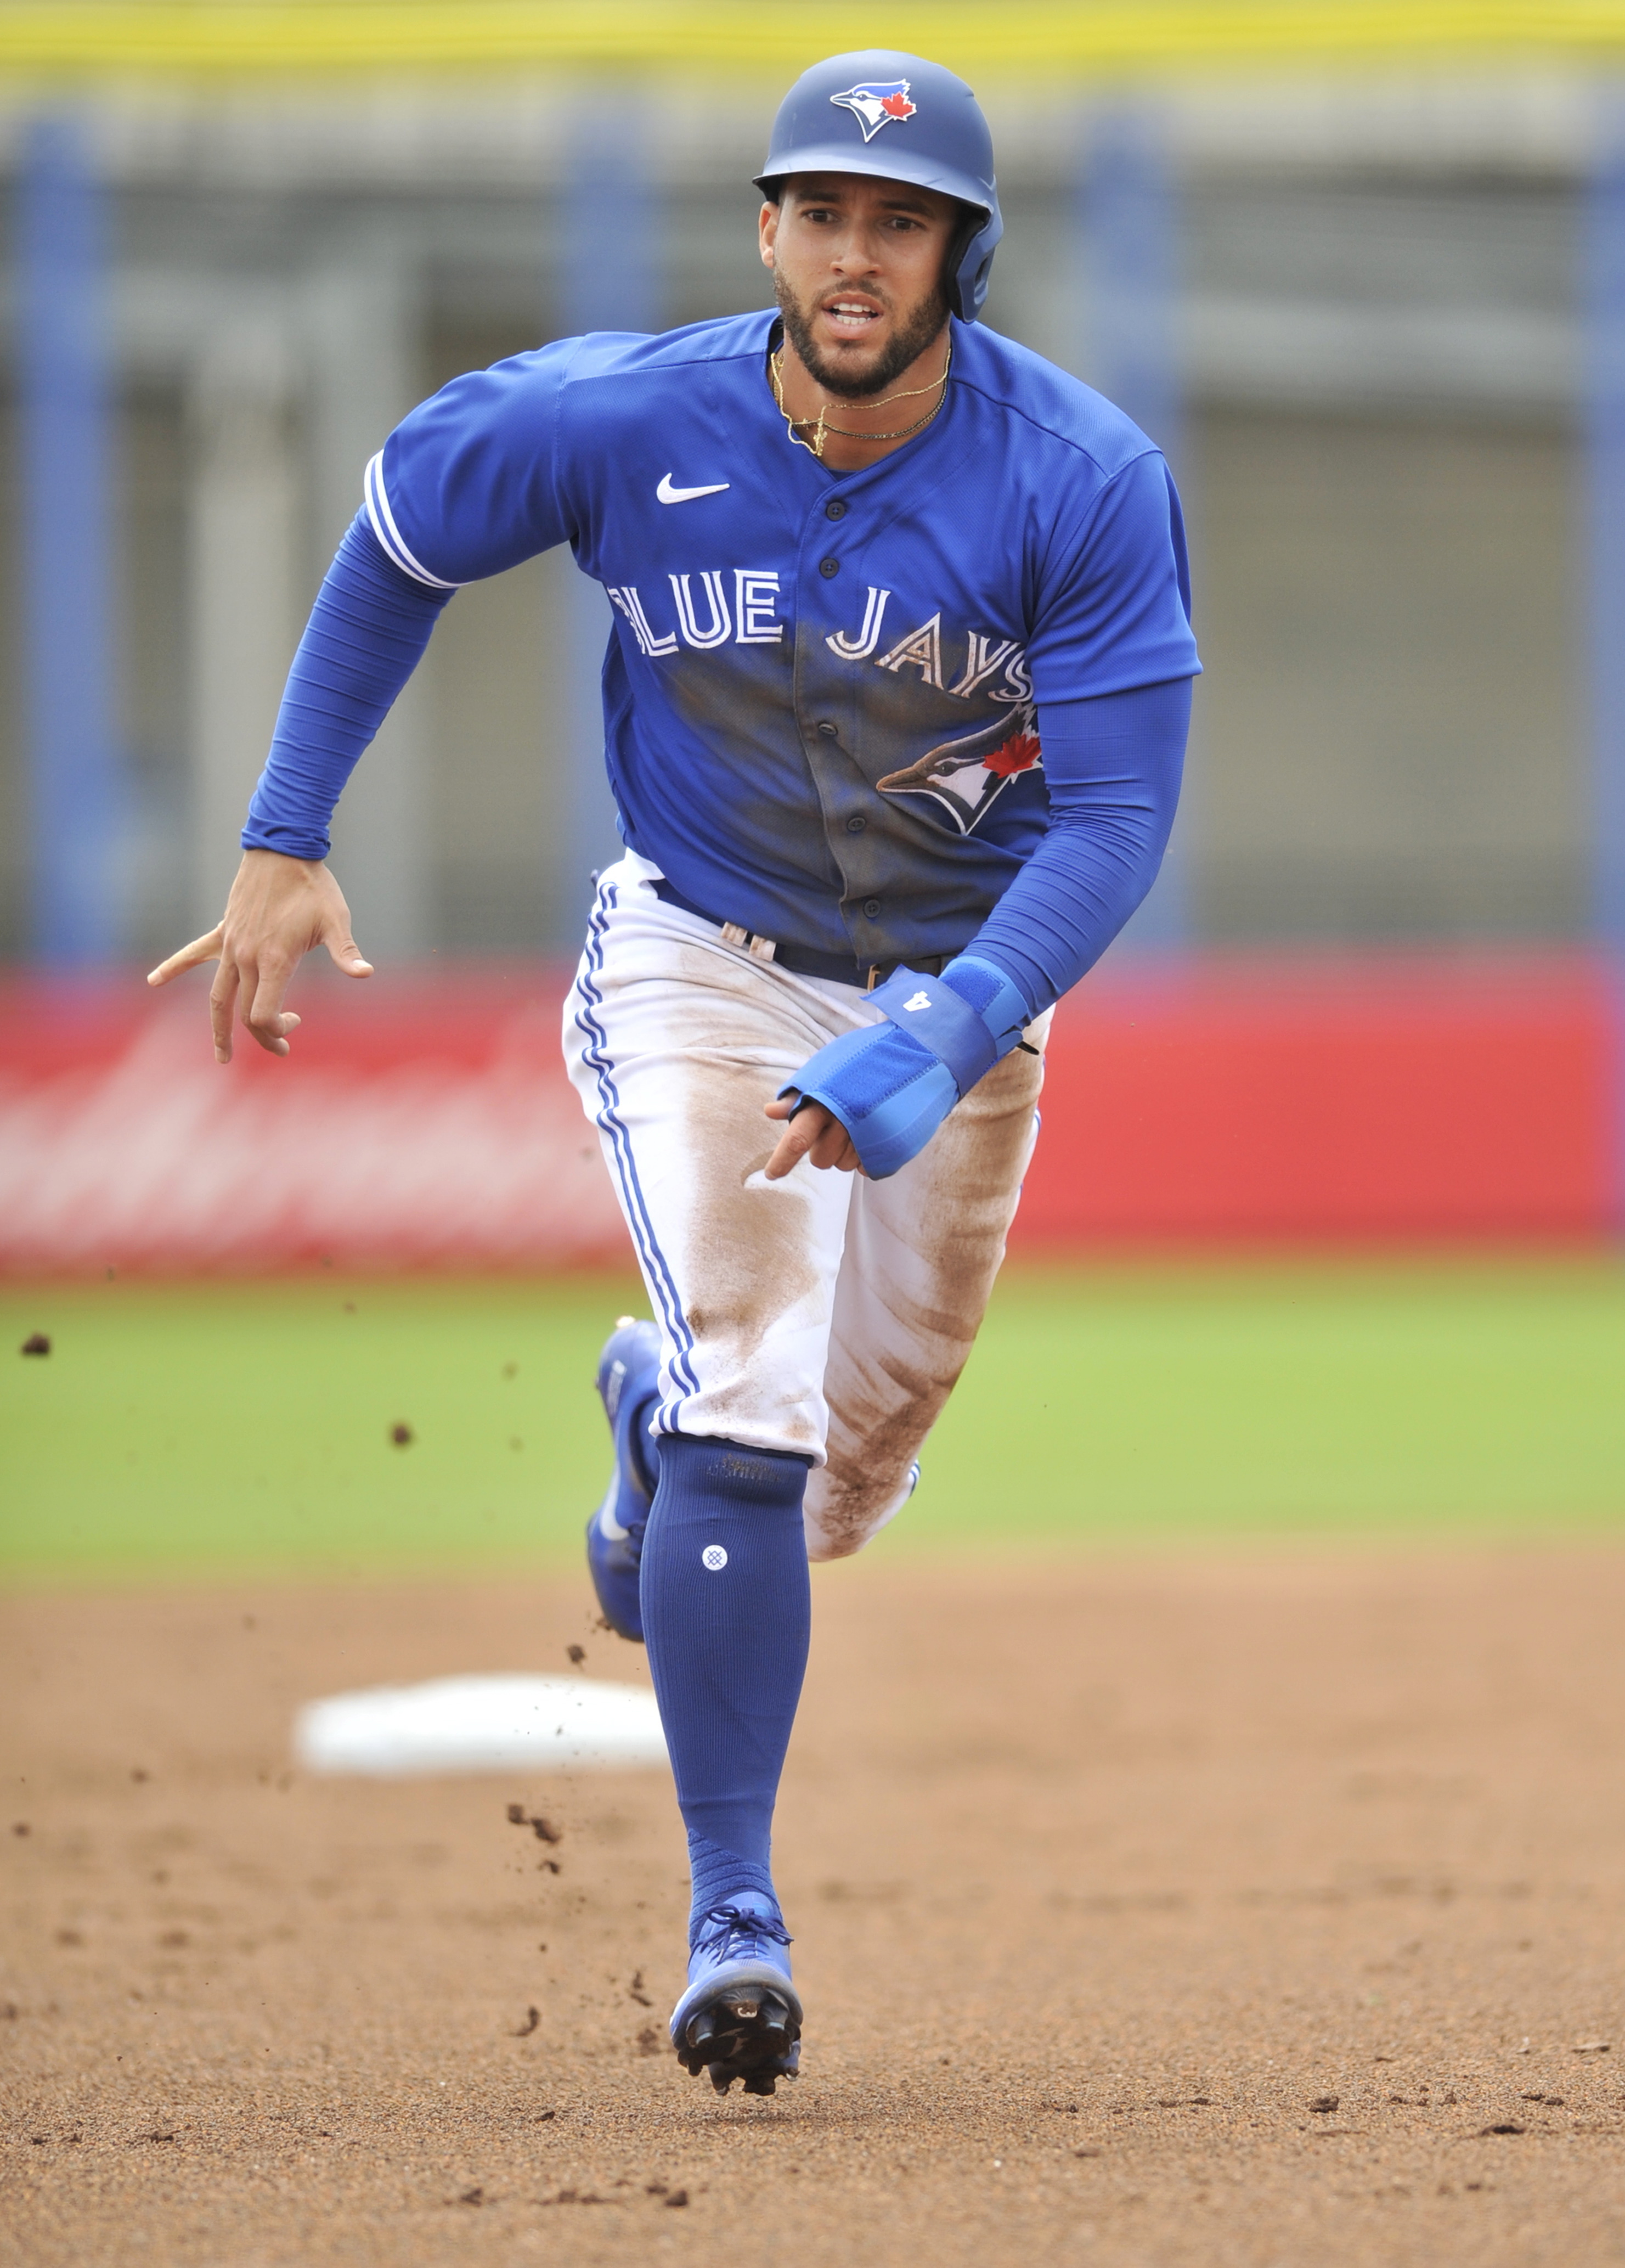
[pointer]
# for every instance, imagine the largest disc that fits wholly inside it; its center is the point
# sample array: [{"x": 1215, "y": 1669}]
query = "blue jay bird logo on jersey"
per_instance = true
[
  {"x": 966, "y": 777},
  {"x": 877, "y": 103}
]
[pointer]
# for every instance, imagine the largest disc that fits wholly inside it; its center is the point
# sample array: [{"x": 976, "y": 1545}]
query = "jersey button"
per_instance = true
[
  {"x": 830, "y": 731},
  {"x": 856, "y": 826},
  {"x": 827, "y": 567},
  {"x": 872, "y": 908},
  {"x": 834, "y": 509}
]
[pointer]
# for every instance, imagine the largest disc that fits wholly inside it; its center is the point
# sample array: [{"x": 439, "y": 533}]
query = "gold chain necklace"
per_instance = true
[{"x": 821, "y": 426}]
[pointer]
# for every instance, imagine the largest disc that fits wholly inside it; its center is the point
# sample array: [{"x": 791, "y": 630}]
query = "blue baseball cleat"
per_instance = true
[
  {"x": 626, "y": 1373},
  {"x": 740, "y": 2017}
]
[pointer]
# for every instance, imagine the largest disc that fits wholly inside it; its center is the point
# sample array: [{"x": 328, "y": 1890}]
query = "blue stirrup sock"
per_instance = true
[
  {"x": 719, "y": 1875},
  {"x": 727, "y": 1613}
]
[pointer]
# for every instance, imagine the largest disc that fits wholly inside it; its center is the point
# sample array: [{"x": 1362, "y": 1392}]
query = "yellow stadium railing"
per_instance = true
[{"x": 238, "y": 38}]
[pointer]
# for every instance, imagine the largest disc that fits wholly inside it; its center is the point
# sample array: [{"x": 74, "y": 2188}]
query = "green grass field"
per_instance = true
[{"x": 233, "y": 1427}]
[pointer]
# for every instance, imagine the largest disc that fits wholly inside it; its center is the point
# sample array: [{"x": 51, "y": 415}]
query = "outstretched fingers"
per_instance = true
[
  {"x": 206, "y": 948},
  {"x": 280, "y": 907}
]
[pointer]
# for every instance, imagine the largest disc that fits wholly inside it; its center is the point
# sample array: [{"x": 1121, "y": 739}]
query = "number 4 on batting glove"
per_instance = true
[{"x": 892, "y": 1084}]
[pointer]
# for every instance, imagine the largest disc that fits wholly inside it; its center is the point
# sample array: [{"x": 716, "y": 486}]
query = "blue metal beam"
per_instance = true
[
  {"x": 1129, "y": 208},
  {"x": 75, "y": 774},
  {"x": 1129, "y": 245},
  {"x": 611, "y": 281}
]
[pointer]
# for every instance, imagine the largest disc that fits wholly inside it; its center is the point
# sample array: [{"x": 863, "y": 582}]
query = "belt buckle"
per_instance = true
[{"x": 760, "y": 948}]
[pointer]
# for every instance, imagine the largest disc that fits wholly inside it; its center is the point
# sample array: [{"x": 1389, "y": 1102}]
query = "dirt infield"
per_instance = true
[{"x": 1265, "y": 1909}]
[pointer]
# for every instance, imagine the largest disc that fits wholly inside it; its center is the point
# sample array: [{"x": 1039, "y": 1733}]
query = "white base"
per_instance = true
[{"x": 481, "y": 1724}]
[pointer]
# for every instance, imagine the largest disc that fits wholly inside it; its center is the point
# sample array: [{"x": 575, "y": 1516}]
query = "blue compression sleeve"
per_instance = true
[
  {"x": 366, "y": 633},
  {"x": 1112, "y": 767}
]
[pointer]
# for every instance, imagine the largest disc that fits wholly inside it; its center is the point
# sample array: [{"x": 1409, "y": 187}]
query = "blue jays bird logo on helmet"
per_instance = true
[{"x": 877, "y": 103}]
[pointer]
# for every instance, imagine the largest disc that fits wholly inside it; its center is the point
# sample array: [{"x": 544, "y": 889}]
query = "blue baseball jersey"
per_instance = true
[{"x": 824, "y": 693}]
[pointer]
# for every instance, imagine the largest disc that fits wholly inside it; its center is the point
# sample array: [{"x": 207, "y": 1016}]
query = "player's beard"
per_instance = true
[{"x": 909, "y": 342}]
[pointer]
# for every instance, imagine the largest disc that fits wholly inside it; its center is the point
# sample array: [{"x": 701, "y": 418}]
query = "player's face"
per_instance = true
[{"x": 857, "y": 270}]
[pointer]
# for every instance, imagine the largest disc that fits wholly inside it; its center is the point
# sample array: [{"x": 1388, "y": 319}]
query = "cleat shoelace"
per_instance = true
[{"x": 723, "y": 1924}]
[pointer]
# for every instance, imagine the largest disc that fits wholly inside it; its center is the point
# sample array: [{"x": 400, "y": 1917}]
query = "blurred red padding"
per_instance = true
[{"x": 425, "y": 1121}]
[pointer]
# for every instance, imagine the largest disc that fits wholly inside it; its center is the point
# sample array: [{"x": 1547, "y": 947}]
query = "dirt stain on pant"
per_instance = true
[
  {"x": 922, "y": 1251},
  {"x": 824, "y": 1312},
  {"x": 749, "y": 1257},
  {"x": 750, "y": 1245}
]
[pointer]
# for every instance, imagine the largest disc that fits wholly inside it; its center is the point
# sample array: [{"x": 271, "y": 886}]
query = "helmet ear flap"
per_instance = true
[
  {"x": 964, "y": 229},
  {"x": 972, "y": 285},
  {"x": 965, "y": 275}
]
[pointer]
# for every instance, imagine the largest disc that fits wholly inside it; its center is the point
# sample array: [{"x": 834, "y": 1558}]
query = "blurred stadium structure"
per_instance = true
[{"x": 1361, "y": 270}]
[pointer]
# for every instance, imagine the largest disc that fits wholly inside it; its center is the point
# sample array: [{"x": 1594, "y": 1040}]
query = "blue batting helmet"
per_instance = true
[{"x": 905, "y": 119}]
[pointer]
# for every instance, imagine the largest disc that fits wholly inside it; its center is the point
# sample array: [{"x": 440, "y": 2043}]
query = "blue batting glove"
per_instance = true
[{"x": 893, "y": 1084}]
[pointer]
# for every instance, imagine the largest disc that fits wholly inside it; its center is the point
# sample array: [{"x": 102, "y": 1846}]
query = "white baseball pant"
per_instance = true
[{"x": 825, "y": 1315}]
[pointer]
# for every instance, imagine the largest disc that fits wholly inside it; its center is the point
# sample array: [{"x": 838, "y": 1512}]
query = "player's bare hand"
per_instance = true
[
  {"x": 280, "y": 908},
  {"x": 814, "y": 1133}
]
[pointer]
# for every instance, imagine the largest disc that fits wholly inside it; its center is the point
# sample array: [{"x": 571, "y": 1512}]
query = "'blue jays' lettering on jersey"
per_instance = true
[{"x": 823, "y": 701}]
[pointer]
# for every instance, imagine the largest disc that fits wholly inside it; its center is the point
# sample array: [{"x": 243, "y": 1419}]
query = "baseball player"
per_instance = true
[{"x": 895, "y": 711}]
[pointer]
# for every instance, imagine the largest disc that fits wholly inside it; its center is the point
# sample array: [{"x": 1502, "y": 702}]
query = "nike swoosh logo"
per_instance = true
[{"x": 666, "y": 494}]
